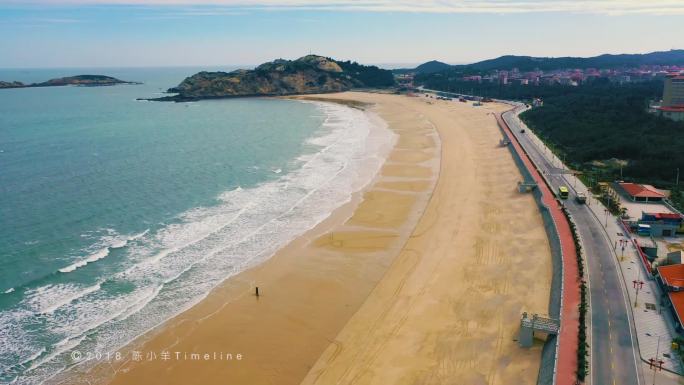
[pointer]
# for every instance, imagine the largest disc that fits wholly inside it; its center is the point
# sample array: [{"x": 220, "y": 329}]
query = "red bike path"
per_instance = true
[{"x": 568, "y": 339}]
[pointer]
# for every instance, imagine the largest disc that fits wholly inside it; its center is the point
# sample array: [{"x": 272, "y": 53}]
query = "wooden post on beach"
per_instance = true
[{"x": 257, "y": 291}]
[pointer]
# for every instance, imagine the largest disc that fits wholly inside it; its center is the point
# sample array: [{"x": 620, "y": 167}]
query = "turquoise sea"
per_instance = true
[{"x": 116, "y": 214}]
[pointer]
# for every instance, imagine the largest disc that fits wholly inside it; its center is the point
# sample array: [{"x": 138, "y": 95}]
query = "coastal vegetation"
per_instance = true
[
  {"x": 306, "y": 75},
  {"x": 601, "y": 129},
  {"x": 606, "y": 130},
  {"x": 582, "y": 345}
]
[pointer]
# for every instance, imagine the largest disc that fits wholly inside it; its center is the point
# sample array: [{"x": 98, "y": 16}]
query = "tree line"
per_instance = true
[{"x": 603, "y": 129}]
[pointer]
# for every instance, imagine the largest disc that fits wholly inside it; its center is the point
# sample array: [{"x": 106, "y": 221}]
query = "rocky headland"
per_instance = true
[{"x": 306, "y": 75}]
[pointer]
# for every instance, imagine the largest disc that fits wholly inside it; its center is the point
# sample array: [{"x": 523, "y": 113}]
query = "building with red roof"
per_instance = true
[
  {"x": 677, "y": 304},
  {"x": 675, "y": 113},
  {"x": 642, "y": 192},
  {"x": 662, "y": 224},
  {"x": 671, "y": 277},
  {"x": 671, "y": 280}
]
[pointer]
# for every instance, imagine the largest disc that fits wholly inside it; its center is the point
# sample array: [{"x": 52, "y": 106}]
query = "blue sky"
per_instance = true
[{"x": 123, "y": 33}]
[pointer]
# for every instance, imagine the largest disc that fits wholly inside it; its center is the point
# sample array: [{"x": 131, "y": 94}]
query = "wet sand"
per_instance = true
[
  {"x": 407, "y": 284},
  {"x": 308, "y": 290}
]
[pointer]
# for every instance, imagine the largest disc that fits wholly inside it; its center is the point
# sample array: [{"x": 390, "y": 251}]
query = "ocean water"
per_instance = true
[{"x": 116, "y": 214}]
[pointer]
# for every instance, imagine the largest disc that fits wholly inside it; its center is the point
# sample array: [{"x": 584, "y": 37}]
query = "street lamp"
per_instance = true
[
  {"x": 638, "y": 284},
  {"x": 623, "y": 244},
  {"x": 606, "y": 211},
  {"x": 654, "y": 363}
]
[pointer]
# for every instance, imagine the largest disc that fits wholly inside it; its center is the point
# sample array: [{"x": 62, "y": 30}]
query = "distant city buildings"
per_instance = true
[
  {"x": 503, "y": 77},
  {"x": 673, "y": 93},
  {"x": 574, "y": 77},
  {"x": 672, "y": 105}
]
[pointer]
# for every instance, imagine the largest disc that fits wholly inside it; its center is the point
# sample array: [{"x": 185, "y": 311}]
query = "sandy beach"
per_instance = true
[{"x": 420, "y": 279}]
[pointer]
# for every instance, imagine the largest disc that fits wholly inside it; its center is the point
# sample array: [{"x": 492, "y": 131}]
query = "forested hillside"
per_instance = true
[{"x": 598, "y": 124}]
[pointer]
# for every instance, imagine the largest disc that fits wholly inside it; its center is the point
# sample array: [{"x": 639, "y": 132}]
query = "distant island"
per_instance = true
[
  {"x": 79, "y": 80},
  {"x": 306, "y": 75}
]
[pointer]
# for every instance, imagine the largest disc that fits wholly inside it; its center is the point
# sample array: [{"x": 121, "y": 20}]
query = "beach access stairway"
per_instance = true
[{"x": 536, "y": 323}]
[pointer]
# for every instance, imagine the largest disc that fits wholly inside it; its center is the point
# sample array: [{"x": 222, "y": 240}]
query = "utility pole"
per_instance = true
[
  {"x": 677, "y": 180},
  {"x": 655, "y": 363}
]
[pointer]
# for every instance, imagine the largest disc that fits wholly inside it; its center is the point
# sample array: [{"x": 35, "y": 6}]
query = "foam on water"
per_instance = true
[
  {"x": 58, "y": 296},
  {"x": 166, "y": 271},
  {"x": 102, "y": 253},
  {"x": 114, "y": 242}
]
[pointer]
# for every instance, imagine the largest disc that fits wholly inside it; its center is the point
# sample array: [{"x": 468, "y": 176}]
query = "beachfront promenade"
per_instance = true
[
  {"x": 614, "y": 351},
  {"x": 622, "y": 334},
  {"x": 566, "y": 353}
]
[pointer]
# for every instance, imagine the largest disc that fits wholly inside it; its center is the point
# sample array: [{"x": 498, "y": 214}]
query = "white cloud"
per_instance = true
[{"x": 609, "y": 7}]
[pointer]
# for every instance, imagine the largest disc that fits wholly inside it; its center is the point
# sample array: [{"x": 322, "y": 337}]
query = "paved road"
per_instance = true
[{"x": 614, "y": 354}]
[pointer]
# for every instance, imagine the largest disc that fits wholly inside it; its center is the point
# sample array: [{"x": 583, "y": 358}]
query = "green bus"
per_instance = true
[{"x": 563, "y": 192}]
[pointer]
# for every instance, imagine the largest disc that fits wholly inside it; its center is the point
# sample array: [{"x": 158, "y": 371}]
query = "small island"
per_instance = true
[
  {"x": 307, "y": 75},
  {"x": 79, "y": 80}
]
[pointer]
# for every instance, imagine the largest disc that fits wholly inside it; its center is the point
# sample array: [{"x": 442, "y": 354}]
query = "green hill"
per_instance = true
[
  {"x": 306, "y": 75},
  {"x": 528, "y": 63}
]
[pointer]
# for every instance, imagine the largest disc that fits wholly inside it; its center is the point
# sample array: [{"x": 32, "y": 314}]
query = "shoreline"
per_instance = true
[
  {"x": 241, "y": 286},
  {"x": 375, "y": 293},
  {"x": 329, "y": 138}
]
